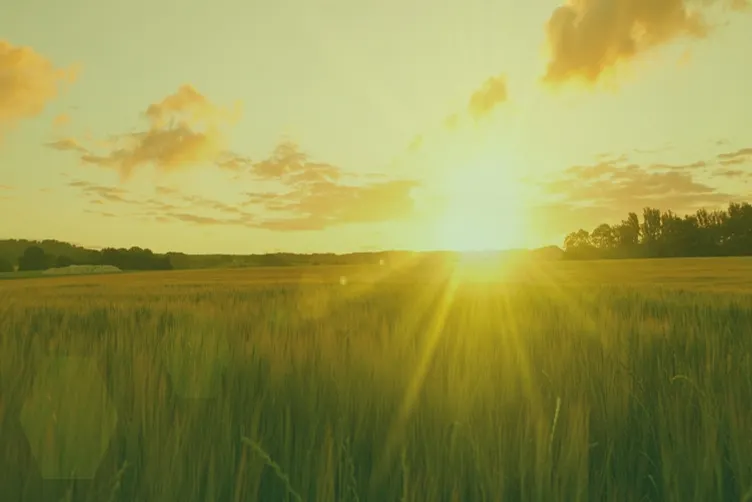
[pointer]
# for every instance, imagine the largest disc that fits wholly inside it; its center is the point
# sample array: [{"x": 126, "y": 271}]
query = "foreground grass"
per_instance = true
[{"x": 558, "y": 384}]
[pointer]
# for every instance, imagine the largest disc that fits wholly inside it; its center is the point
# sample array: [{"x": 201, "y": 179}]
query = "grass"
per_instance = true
[{"x": 602, "y": 381}]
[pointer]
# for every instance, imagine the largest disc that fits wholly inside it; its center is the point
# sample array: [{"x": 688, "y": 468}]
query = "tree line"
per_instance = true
[
  {"x": 664, "y": 234},
  {"x": 656, "y": 234},
  {"x": 135, "y": 258}
]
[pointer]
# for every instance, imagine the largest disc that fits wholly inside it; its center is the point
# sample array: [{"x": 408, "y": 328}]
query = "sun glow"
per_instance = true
[{"x": 482, "y": 209}]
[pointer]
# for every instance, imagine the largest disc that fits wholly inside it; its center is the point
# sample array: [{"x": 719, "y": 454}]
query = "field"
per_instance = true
[{"x": 582, "y": 381}]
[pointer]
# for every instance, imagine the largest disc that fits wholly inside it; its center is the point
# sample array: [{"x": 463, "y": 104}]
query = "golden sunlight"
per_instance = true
[{"x": 482, "y": 209}]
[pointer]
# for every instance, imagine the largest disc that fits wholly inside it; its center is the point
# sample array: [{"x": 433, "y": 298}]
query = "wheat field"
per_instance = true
[{"x": 588, "y": 381}]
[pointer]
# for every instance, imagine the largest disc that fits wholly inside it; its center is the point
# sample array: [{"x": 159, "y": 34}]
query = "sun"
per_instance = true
[{"x": 482, "y": 209}]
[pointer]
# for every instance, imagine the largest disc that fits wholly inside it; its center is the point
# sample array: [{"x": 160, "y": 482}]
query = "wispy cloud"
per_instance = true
[
  {"x": 619, "y": 185},
  {"x": 586, "y": 195},
  {"x": 171, "y": 206},
  {"x": 184, "y": 129},
  {"x": 104, "y": 214},
  {"x": 482, "y": 102},
  {"x": 731, "y": 173},
  {"x": 737, "y": 157},
  {"x": 492, "y": 93},
  {"x": 68, "y": 145},
  {"x": 102, "y": 193},
  {"x": 325, "y": 204},
  {"x": 287, "y": 164},
  {"x": 61, "y": 120},
  {"x": 231, "y": 161},
  {"x": 307, "y": 195},
  {"x": 315, "y": 196},
  {"x": 163, "y": 190},
  {"x": 680, "y": 167}
]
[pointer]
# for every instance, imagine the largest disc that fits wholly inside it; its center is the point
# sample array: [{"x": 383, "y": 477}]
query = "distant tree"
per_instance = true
[
  {"x": 578, "y": 239},
  {"x": 33, "y": 258},
  {"x": 651, "y": 230},
  {"x": 630, "y": 232},
  {"x": 63, "y": 261},
  {"x": 134, "y": 258},
  {"x": 737, "y": 229},
  {"x": 5, "y": 265},
  {"x": 604, "y": 237},
  {"x": 579, "y": 245}
]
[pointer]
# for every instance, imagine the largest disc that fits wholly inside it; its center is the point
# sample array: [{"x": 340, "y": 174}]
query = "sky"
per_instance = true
[{"x": 336, "y": 126}]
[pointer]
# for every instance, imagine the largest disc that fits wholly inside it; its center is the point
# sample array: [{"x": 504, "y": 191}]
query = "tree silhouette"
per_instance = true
[
  {"x": 666, "y": 234},
  {"x": 5, "y": 265},
  {"x": 134, "y": 258},
  {"x": 63, "y": 261},
  {"x": 33, "y": 258}
]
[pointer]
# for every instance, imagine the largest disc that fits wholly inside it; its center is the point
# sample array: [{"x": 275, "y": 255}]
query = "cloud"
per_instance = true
[
  {"x": 234, "y": 162},
  {"x": 181, "y": 207},
  {"x": 28, "y": 81},
  {"x": 163, "y": 190},
  {"x": 730, "y": 173},
  {"x": 203, "y": 202},
  {"x": 61, "y": 120},
  {"x": 289, "y": 165},
  {"x": 588, "y": 37},
  {"x": 587, "y": 195},
  {"x": 104, "y": 214},
  {"x": 68, "y": 145},
  {"x": 316, "y": 197},
  {"x": 735, "y": 161},
  {"x": 198, "y": 219},
  {"x": 307, "y": 195},
  {"x": 325, "y": 204},
  {"x": 184, "y": 129},
  {"x": 620, "y": 185},
  {"x": 451, "y": 121},
  {"x": 680, "y": 167},
  {"x": 102, "y": 193},
  {"x": 736, "y": 157},
  {"x": 492, "y": 93}
]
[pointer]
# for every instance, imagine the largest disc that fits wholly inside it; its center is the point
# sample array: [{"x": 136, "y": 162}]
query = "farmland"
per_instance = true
[{"x": 605, "y": 380}]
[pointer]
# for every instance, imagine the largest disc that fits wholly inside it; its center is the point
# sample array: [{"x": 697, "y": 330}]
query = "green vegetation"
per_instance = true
[{"x": 628, "y": 380}]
